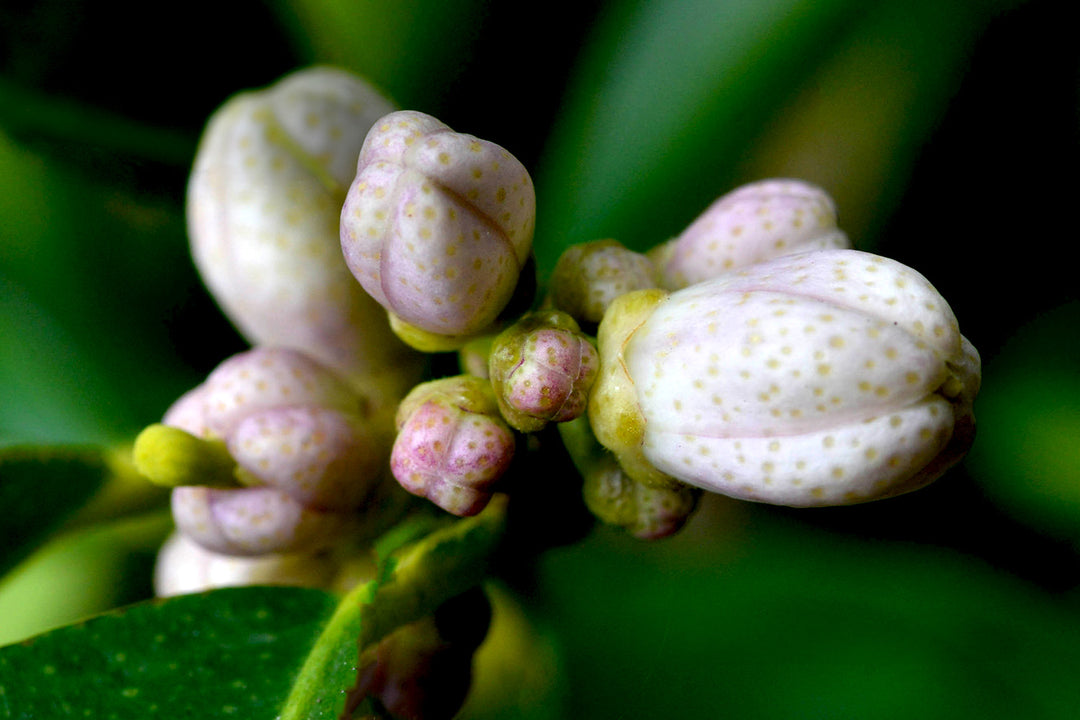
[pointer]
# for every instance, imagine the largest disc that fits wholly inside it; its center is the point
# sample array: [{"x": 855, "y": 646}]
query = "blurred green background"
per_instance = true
[{"x": 946, "y": 131}]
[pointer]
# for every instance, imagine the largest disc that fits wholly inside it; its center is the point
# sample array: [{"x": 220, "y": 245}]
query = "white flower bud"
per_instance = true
[{"x": 822, "y": 378}]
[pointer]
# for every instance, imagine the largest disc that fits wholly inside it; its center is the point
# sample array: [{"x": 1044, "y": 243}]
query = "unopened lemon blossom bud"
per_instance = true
[
  {"x": 541, "y": 369},
  {"x": 183, "y": 566},
  {"x": 821, "y": 378},
  {"x": 648, "y": 512},
  {"x": 437, "y": 227},
  {"x": 263, "y": 205},
  {"x": 300, "y": 437},
  {"x": 753, "y": 223},
  {"x": 452, "y": 444},
  {"x": 589, "y": 276}
]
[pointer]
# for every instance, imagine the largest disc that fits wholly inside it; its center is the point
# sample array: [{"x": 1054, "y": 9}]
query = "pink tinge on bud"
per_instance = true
[
  {"x": 437, "y": 225},
  {"x": 751, "y": 224},
  {"x": 271, "y": 377},
  {"x": 452, "y": 446},
  {"x": 310, "y": 454},
  {"x": 553, "y": 379},
  {"x": 541, "y": 370},
  {"x": 254, "y": 521},
  {"x": 319, "y": 456}
]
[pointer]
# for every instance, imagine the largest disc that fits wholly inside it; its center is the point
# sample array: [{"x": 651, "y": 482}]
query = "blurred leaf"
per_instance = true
[
  {"x": 666, "y": 95},
  {"x": 24, "y": 112},
  {"x": 88, "y": 272},
  {"x": 1026, "y": 453},
  {"x": 52, "y": 392},
  {"x": 413, "y": 49},
  {"x": 516, "y": 671},
  {"x": 785, "y": 622},
  {"x": 80, "y": 573},
  {"x": 39, "y": 488},
  {"x": 227, "y": 653},
  {"x": 856, "y": 126},
  {"x": 672, "y": 97}
]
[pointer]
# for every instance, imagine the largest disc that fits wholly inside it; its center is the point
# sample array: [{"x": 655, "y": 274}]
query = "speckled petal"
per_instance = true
[
  {"x": 753, "y": 223},
  {"x": 253, "y": 521},
  {"x": 321, "y": 457},
  {"x": 264, "y": 378},
  {"x": 437, "y": 225},
  {"x": 263, "y": 206}
]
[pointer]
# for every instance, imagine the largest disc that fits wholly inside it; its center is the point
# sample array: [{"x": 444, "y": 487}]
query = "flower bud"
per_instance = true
[
  {"x": 263, "y": 204},
  {"x": 750, "y": 224},
  {"x": 452, "y": 444},
  {"x": 648, "y": 512},
  {"x": 589, "y": 276},
  {"x": 437, "y": 227},
  {"x": 822, "y": 378},
  {"x": 304, "y": 444},
  {"x": 541, "y": 369},
  {"x": 254, "y": 521},
  {"x": 183, "y": 566}
]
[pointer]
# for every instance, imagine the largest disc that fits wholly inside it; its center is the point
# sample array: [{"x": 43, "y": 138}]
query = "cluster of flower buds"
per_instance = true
[
  {"x": 754, "y": 355},
  {"x": 264, "y": 198}
]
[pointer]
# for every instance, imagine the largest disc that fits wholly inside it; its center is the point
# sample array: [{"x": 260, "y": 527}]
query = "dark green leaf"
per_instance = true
[
  {"x": 1026, "y": 454},
  {"x": 672, "y": 99},
  {"x": 411, "y": 48},
  {"x": 766, "y": 619},
  {"x": 39, "y": 488},
  {"x": 225, "y": 654}
]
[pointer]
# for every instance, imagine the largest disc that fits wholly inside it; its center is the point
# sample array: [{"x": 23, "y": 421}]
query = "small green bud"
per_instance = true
[{"x": 589, "y": 276}]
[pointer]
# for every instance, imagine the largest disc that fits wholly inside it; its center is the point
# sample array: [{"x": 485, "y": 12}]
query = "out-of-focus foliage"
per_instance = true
[{"x": 947, "y": 133}]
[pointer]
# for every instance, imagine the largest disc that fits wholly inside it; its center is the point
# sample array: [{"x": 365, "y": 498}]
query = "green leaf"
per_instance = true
[
  {"x": 672, "y": 98},
  {"x": 24, "y": 111},
  {"x": 442, "y": 565},
  {"x": 89, "y": 266},
  {"x": 40, "y": 487},
  {"x": 750, "y": 616},
  {"x": 224, "y": 654},
  {"x": 1026, "y": 453},
  {"x": 82, "y": 572},
  {"x": 413, "y": 49}
]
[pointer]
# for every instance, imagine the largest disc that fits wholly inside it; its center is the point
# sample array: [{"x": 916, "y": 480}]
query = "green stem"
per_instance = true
[{"x": 442, "y": 565}]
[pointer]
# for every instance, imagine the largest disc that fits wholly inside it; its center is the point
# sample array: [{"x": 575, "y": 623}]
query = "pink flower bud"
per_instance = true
[
  {"x": 305, "y": 444},
  {"x": 254, "y": 521},
  {"x": 751, "y": 224},
  {"x": 828, "y": 377},
  {"x": 263, "y": 204},
  {"x": 265, "y": 378},
  {"x": 437, "y": 225},
  {"x": 541, "y": 369},
  {"x": 319, "y": 456},
  {"x": 452, "y": 444}
]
